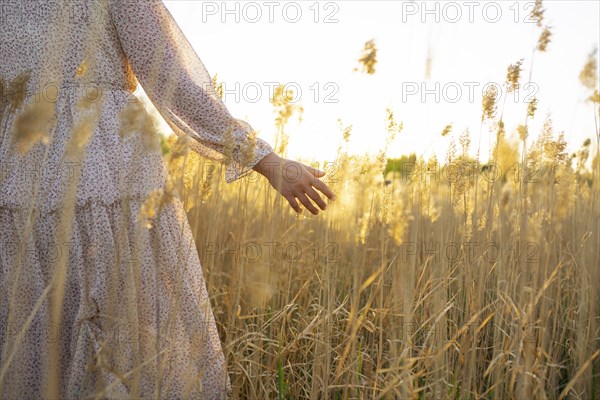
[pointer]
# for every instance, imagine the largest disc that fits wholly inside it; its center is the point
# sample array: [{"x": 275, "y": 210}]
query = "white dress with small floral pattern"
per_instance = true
[{"x": 72, "y": 188}]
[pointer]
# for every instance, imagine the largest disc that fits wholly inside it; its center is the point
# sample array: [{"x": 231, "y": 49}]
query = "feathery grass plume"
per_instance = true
[
  {"x": 207, "y": 180},
  {"x": 556, "y": 170},
  {"x": 506, "y": 154},
  {"x": 501, "y": 130},
  {"x": 400, "y": 221},
  {"x": 588, "y": 75},
  {"x": 342, "y": 159},
  {"x": 462, "y": 170},
  {"x": 461, "y": 173},
  {"x": 451, "y": 151},
  {"x": 538, "y": 12},
  {"x": 447, "y": 129},
  {"x": 512, "y": 75},
  {"x": 393, "y": 128},
  {"x": 488, "y": 103},
  {"x": 249, "y": 147},
  {"x": 544, "y": 39},
  {"x": 532, "y": 107},
  {"x": 465, "y": 141},
  {"x": 522, "y": 131},
  {"x": 386, "y": 201},
  {"x": 346, "y": 133},
  {"x": 583, "y": 154},
  {"x": 228, "y": 146},
  {"x": 91, "y": 110},
  {"x": 218, "y": 86},
  {"x": 284, "y": 109},
  {"x": 34, "y": 124},
  {"x": 183, "y": 164},
  {"x": 363, "y": 224},
  {"x": 554, "y": 150},
  {"x": 17, "y": 90},
  {"x": 544, "y": 138},
  {"x": 535, "y": 155},
  {"x": 481, "y": 223},
  {"x": 547, "y": 150},
  {"x": 368, "y": 58},
  {"x": 431, "y": 165}
]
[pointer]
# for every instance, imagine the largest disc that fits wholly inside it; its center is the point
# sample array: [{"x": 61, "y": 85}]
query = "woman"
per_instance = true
[{"x": 94, "y": 303}]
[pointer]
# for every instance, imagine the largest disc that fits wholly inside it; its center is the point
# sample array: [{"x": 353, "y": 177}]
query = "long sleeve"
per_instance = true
[{"x": 180, "y": 87}]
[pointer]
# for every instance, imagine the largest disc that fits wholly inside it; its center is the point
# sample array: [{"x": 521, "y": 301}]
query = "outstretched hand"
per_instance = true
[{"x": 294, "y": 180}]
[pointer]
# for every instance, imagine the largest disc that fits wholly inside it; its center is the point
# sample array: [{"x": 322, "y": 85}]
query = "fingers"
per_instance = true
[
  {"x": 306, "y": 203},
  {"x": 317, "y": 173},
  {"x": 316, "y": 198},
  {"x": 305, "y": 191},
  {"x": 319, "y": 184},
  {"x": 293, "y": 203}
]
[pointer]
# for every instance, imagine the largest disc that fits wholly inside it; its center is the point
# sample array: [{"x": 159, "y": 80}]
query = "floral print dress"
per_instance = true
[{"x": 94, "y": 303}]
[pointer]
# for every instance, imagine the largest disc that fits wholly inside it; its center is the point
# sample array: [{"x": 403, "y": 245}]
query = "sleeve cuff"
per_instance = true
[{"x": 235, "y": 169}]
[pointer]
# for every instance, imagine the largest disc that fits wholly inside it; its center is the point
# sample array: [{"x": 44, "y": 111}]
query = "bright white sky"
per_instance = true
[{"x": 314, "y": 54}]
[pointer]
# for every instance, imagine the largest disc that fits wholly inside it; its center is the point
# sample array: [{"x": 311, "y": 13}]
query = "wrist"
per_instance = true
[{"x": 267, "y": 163}]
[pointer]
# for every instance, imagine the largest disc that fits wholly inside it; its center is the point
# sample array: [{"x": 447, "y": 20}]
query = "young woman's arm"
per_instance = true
[{"x": 181, "y": 89}]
